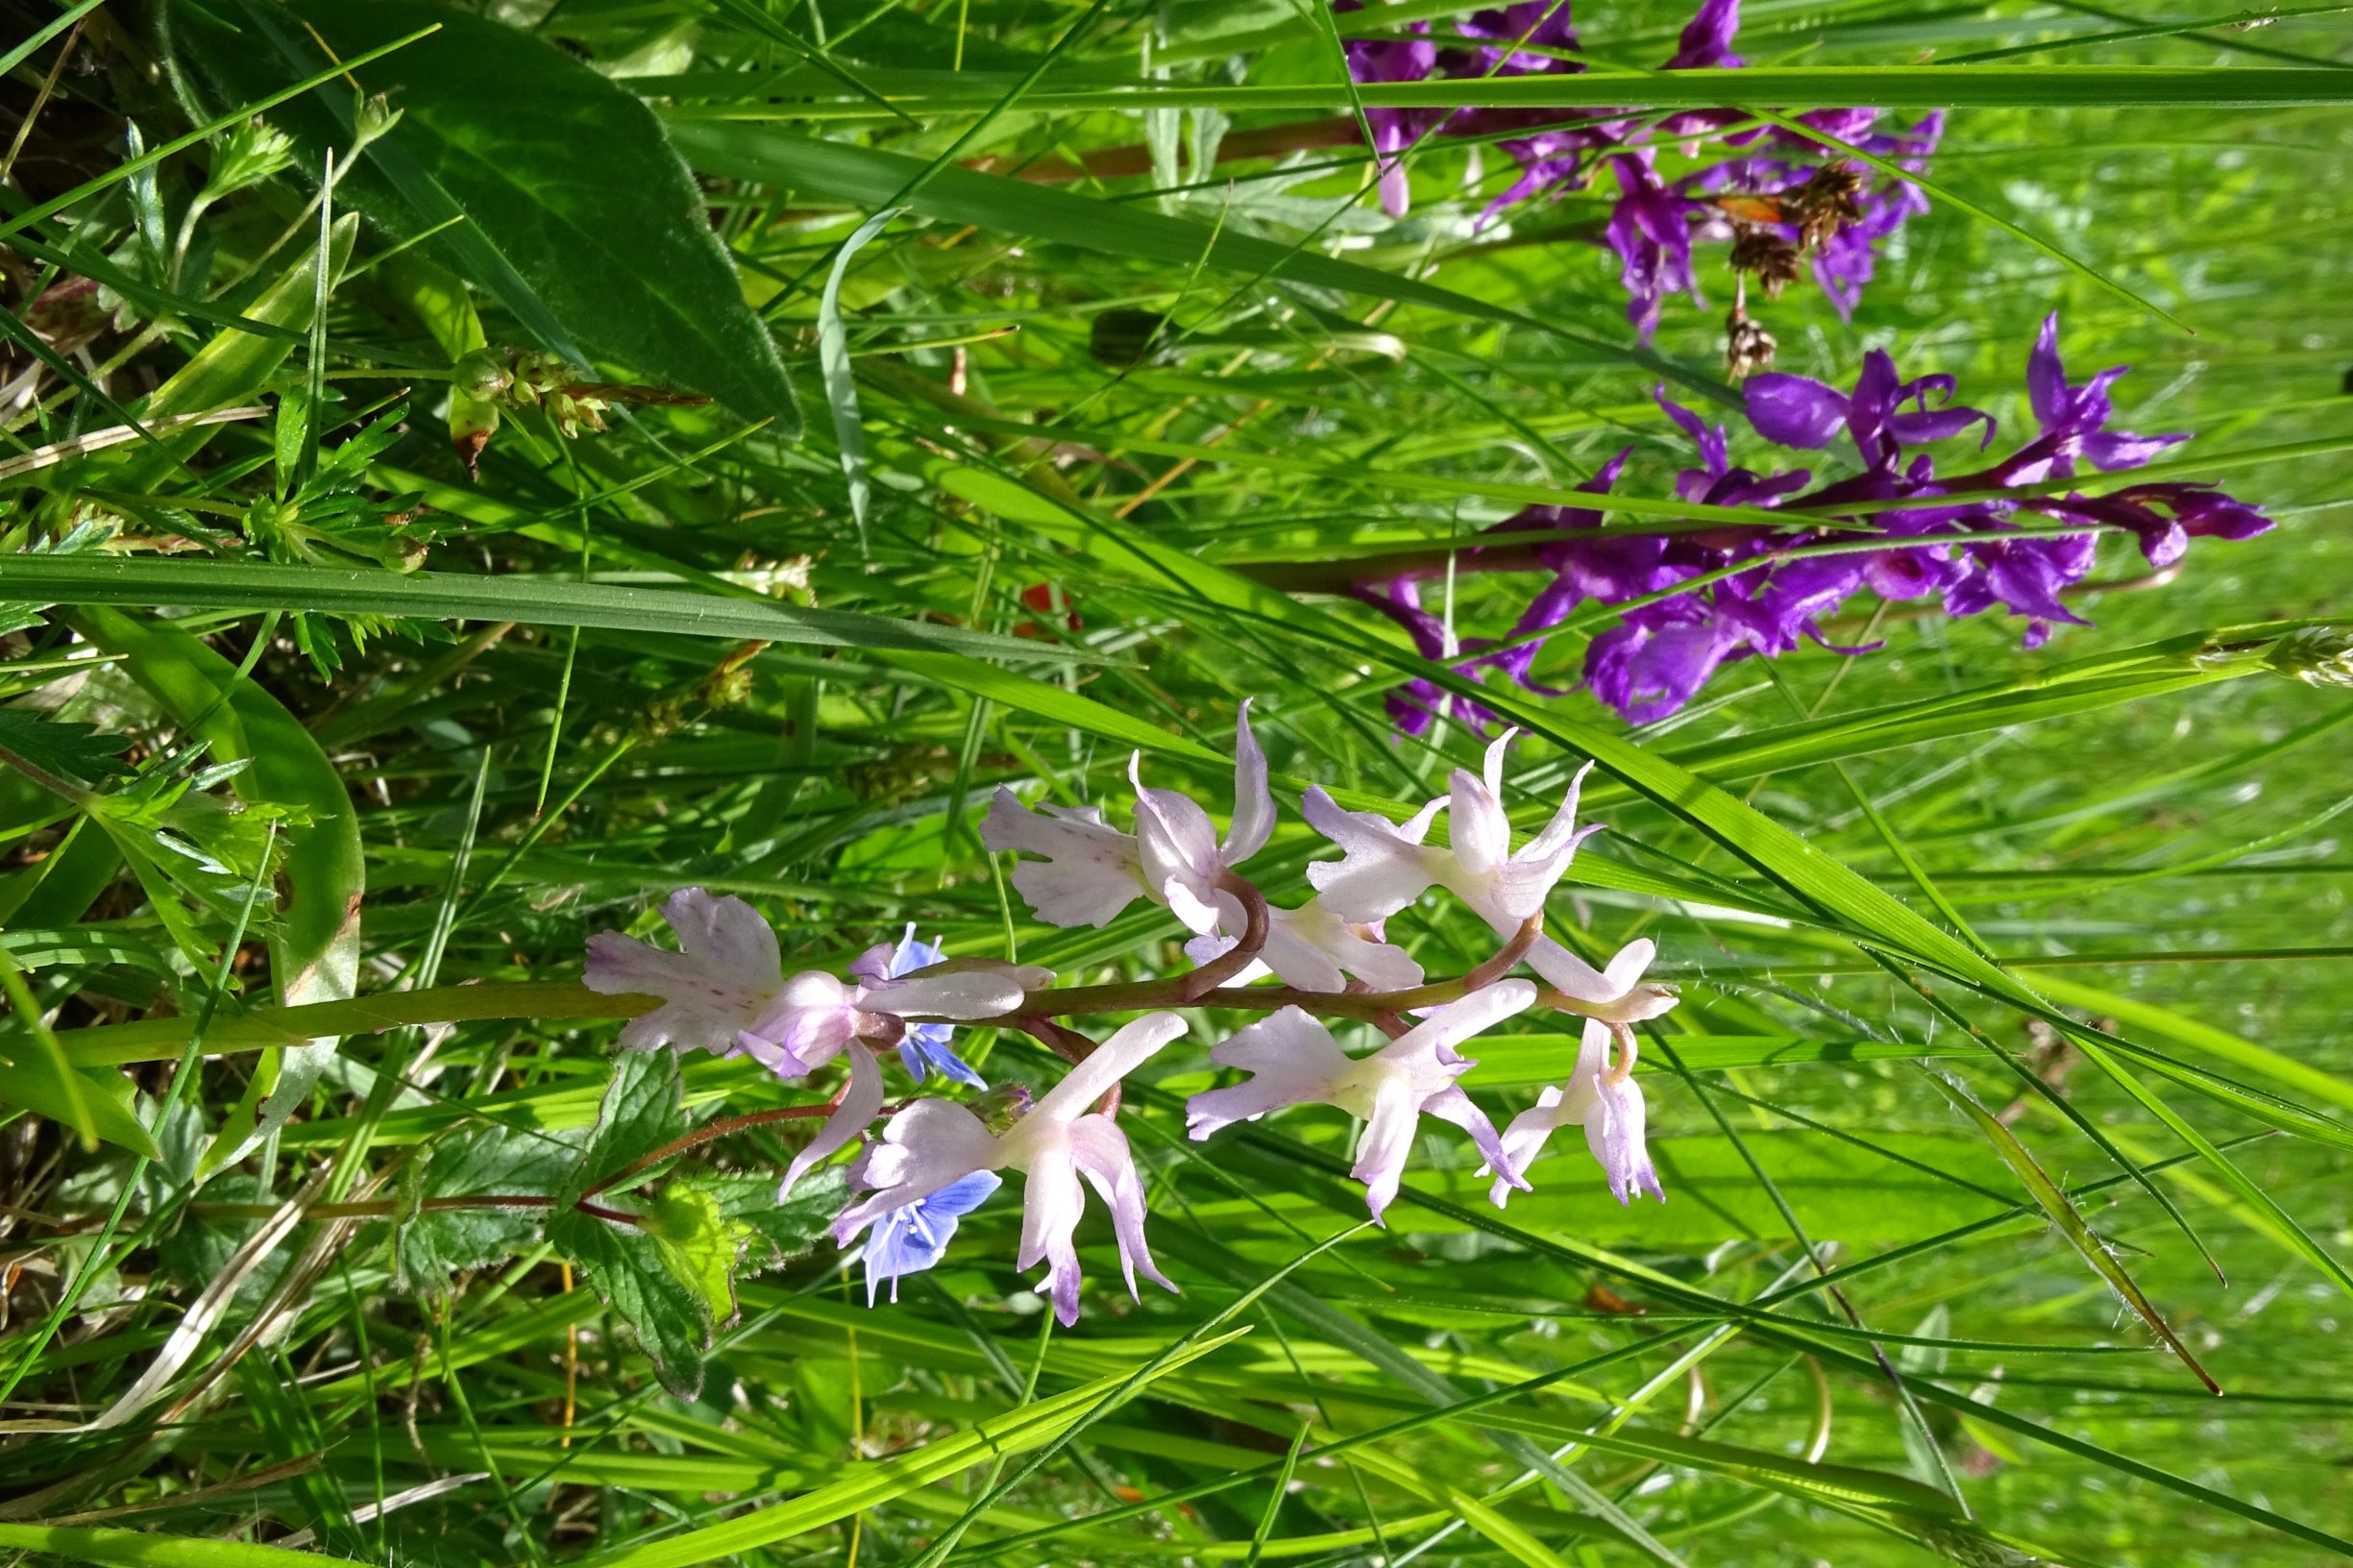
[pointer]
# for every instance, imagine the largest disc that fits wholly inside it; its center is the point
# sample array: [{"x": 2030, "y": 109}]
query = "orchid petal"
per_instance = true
[
  {"x": 861, "y": 1103},
  {"x": 1253, "y": 821},
  {"x": 1127, "y": 1049},
  {"x": 1383, "y": 868},
  {"x": 1100, "y": 1150}
]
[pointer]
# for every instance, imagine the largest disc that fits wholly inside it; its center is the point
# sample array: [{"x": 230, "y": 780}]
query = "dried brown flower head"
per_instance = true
[
  {"x": 1826, "y": 203},
  {"x": 1747, "y": 346},
  {"x": 1770, "y": 258}
]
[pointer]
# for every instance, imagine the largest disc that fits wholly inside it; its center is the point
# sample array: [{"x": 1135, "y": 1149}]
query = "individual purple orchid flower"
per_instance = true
[
  {"x": 2074, "y": 419},
  {"x": 1294, "y": 1060},
  {"x": 1650, "y": 228},
  {"x": 713, "y": 989},
  {"x": 934, "y": 1144},
  {"x": 925, "y": 1047},
  {"x": 911, "y": 1239},
  {"x": 1607, "y": 1101},
  {"x": 1800, "y": 412}
]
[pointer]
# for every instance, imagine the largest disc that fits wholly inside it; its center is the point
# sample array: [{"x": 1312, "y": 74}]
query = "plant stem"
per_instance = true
[{"x": 721, "y": 1128}]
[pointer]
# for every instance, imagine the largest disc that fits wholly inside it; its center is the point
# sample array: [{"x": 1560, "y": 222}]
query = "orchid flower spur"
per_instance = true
[
  {"x": 1292, "y": 1060},
  {"x": 1604, "y": 1097},
  {"x": 933, "y": 1144}
]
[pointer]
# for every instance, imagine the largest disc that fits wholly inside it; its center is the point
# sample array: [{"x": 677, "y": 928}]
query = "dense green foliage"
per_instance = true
[{"x": 720, "y": 444}]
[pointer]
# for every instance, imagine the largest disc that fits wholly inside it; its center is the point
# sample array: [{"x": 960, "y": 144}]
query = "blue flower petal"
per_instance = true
[{"x": 911, "y": 1239}]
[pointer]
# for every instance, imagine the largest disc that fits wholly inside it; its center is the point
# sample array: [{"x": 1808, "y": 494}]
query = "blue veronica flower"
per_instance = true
[
  {"x": 911, "y": 1239},
  {"x": 924, "y": 1048}
]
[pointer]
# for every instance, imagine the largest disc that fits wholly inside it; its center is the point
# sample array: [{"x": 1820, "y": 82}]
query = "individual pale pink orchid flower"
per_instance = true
[
  {"x": 1311, "y": 949},
  {"x": 1294, "y": 1060},
  {"x": 933, "y": 1143},
  {"x": 715, "y": 987},
  {"x": 1605, "y": 1099},
  {"x": 1092, "y": 871},
  {"x": 1385, "y": 866},
  {"x": 817, "y": 1016}
]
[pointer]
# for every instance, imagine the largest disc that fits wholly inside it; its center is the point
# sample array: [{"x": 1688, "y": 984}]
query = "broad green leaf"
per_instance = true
[
  {"x": 315, "y": 951},
  {"x": 642, "y": 1110},
  {"x": 431, "y": 1242},
  {"x": 502, "y": 129},
  {"x": 625, "y": 1268},
  {"x": 314, "y": 942},
  {"x": 773, "y": 1229},
  {"x": 696, "y": 1244}
]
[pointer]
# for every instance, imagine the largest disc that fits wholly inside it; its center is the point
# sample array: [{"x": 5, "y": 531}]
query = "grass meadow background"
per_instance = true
[{"x": 697, "y": 646}]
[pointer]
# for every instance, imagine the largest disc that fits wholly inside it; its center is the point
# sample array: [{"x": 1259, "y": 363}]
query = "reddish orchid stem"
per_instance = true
[
  {"x": 1242, "y": 954},
  {"x": 1508, "y": 955},
  {"x": 721, "y": 1128}
]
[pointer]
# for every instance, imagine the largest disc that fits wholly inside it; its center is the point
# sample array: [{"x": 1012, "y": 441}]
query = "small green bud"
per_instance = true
[
  {"x": 485, "y": 375},
  {"x": 375, "y": 117},
  {"x": 268, "y": 522},
  {"x": 1001, "y": 1107}
]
